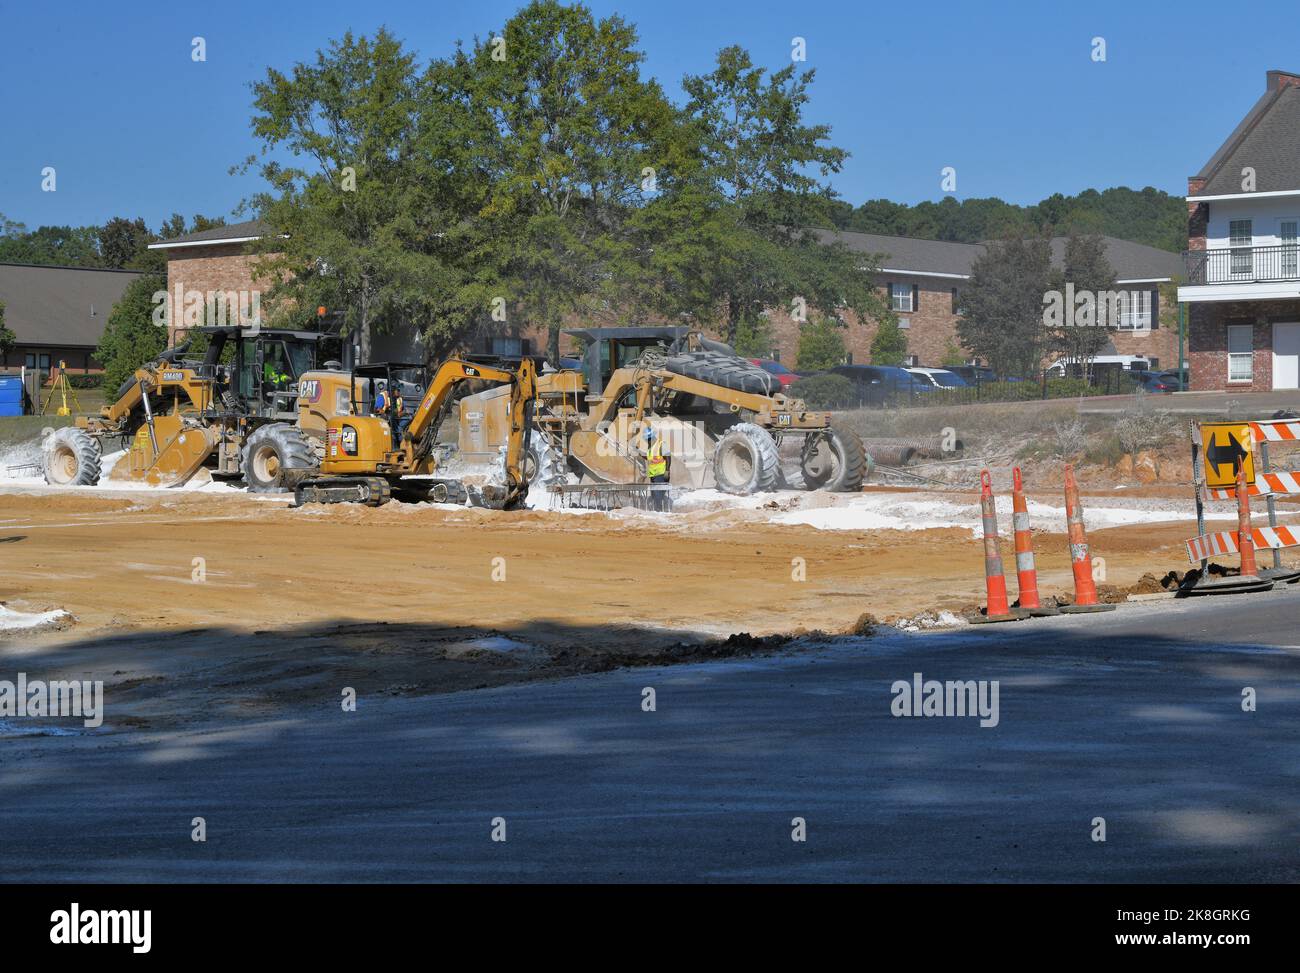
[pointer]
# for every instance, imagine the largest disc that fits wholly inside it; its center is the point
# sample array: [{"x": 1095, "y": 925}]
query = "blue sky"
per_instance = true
[{"x": 1006, "y": 93}]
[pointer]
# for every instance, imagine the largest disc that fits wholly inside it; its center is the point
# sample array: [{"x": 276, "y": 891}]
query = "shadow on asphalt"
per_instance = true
[{"x": 1147, "y": 732}]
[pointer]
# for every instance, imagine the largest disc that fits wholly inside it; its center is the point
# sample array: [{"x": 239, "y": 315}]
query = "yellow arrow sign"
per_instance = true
[{"x": 1227, "y": 448}]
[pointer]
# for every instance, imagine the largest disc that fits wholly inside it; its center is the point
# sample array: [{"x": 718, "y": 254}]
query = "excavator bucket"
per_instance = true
[{"x": 181, "y": 450}]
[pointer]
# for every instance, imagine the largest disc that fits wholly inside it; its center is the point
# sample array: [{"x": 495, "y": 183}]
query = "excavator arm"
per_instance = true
[
  {"x": 523, "y": 395},
  {"x": 450, "y": 374}
]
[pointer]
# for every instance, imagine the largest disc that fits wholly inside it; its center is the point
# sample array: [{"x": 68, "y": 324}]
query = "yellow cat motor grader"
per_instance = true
[
  {"x": 253, "y": 405},
  {"x": 368, "y": 458},
  {"x": 724, "y": 418}
]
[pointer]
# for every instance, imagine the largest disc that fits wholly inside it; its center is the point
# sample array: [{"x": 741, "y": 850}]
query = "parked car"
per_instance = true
[
  {"x": 1063, "y": 367},
  {"x": 1161, "y": 383},
  {"x": 974, "y": 374},
  {"x": 939, "y": 378},
  {"x": 881, "y": 384},
  {"x": 776, "y": 369}
]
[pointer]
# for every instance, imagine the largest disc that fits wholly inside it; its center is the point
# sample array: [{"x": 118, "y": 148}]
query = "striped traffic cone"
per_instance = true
[
  {"x": 1245, "y": 537},
  {"x": 1026, "y": 573},
  {"x": 1085, "y": 591},
  {"x": 995, "y": 582}
]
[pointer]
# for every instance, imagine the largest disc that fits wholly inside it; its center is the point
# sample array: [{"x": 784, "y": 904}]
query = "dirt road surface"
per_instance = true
[{"x": 124, "y": 563}]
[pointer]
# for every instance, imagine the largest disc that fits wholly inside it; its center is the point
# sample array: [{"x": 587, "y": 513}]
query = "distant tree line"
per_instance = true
[
  {"x": 1148, "y": 216},
  {"x": 122, "y": 243}
]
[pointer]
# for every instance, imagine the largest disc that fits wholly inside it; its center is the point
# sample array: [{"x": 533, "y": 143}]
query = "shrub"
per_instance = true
[
  {"x": 825, "y": 392},
  {"x": 821, "y": 344},
  {"x": 1138, "y": 430},
  {"x": 1071, "y": 437}
]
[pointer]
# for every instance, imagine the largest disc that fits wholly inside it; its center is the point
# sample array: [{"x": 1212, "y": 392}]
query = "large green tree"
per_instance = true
[
  {"x": 353, "y": 220},
  {"x": 130, "y": 336},
  {"x": 552, "y": 118},
  {"x": 1084, "y": 329},
  {"x": 133, "y": 335},
  {"x": 1002, "y": 321},
  {"x": 123, "y": 242},
  {"x": 733, "y": 230}
]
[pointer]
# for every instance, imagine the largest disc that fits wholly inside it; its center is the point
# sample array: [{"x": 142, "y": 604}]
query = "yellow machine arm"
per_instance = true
[
  {"x": 523, "y": 394},
  {"x": 450, "y": 374}
]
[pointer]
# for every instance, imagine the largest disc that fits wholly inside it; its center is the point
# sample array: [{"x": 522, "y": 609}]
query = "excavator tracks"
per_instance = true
[{"x": 373, "y": 491}]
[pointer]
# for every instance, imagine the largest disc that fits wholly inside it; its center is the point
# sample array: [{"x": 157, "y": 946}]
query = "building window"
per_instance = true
[
  {"x": 30, "y": 360},
  {"x": 507, "y": 346},
  {"x": 904, "y": 323},
  {"x": 44, "y": 363},
  {"x": 913, "y": 361},
  {"x": 1135, "y": 311},
  {"x": 1241, "y": 352},
  {"x": 1240, "y": 238},
  {"x": 900, "y": 297},
  {"x": 956, "y": 302},
  {"x": 1286, "y": 232}
]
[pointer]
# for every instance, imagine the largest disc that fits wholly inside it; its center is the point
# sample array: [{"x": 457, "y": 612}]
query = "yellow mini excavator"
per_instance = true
[{"x": 369, "y": 457}]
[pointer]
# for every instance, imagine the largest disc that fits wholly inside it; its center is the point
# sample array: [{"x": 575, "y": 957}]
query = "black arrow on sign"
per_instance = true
[{"x": 1220, "y": 455}]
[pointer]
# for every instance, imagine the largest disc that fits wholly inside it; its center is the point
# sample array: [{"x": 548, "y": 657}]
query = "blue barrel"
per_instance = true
[{"x": 11, "y": 395}]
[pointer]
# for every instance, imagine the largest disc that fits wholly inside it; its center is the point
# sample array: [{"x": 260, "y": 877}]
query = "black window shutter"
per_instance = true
[
  {"x": 889, "y": 295},
  {"x": 1155, "y": 308},
  {"x": 916, "y": 297}
]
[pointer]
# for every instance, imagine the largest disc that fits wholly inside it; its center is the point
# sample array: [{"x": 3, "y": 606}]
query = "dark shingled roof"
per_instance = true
[
  {"x": 60, "y": 306},
  {"x": 233, "y": 231},
  {"x": 1132, "y": 261},
  {"x": 906, "y": 253},
  {"x": 1267, "y": 140}
]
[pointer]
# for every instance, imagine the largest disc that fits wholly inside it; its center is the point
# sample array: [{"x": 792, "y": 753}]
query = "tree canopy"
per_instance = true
[
  {"x": 1148, "y": 216},
  {"x": 1002, "y": 321},
  {"x": 536, "y": 177}
]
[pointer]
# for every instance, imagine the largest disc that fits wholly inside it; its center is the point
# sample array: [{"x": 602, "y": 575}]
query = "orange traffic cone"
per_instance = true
[
  {"x": 1085, "y": 591},
  {"x": 995, "y": 582},
  {"x": 1245, "y": 537},
  {"x": 1026, "y": 572}
]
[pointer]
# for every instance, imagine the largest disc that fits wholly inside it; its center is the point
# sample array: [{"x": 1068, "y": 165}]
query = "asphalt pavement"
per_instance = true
[{"x": 1135, "y": 717}]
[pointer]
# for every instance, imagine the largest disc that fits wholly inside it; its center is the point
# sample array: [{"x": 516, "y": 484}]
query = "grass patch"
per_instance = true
[{"x": 17, "y": 429}]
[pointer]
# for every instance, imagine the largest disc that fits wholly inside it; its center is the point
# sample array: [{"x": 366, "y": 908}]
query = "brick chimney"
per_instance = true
[{"x": 1282, "y": 79}]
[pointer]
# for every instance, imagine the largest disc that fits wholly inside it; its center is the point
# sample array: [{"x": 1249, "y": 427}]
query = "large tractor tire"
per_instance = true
[
  {"x": 724, "y": 371},
  {"x": 72, "y": 458},
  {"x": 745, "y": 460},
  {"x": 276, "y": 457},
  {"x": 835, "y": 461}
]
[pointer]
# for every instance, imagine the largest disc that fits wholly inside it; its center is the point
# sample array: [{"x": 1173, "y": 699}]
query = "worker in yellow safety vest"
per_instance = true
[{"x": 657, "y": 460}]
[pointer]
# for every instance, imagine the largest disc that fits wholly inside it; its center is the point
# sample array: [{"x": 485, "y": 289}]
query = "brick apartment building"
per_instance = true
[
  {"x": 1243, "y": 256},
  {"x": 219, "y": 260},
  {"x": 921, "y": 279}
]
